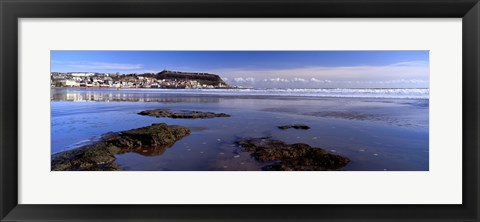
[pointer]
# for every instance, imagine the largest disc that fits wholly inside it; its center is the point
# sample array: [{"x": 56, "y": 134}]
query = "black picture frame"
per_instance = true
[{"x": 12, "y": 10}]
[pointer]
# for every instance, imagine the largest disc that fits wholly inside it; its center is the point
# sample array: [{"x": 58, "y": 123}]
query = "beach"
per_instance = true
[{"x": 377, "y": 129}]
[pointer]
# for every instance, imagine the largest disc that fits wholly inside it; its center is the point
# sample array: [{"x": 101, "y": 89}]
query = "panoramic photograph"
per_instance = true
[{"x": 239, "y": 110}]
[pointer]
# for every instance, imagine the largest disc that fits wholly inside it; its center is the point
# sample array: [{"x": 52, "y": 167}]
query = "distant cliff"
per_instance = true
[{"x": 202, "y": 78}]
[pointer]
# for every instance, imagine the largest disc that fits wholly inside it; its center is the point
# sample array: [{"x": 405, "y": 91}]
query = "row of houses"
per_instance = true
[{"x": 124, "y": 81}]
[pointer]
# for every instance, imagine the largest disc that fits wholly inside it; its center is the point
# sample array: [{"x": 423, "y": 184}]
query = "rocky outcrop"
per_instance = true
[
  {"x": 299, "y": 156},
  {"x": 202, "y": 78},
  {"x": 150, "y": 136},
  {"x": 150, "y": 140},
  {"x": 181, "y": 114},
  {"x": 297, "y": 126},
  {"x": 95, "y": 157}
]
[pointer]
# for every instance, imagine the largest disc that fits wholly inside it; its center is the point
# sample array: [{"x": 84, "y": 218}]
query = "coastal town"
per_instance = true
[{"x": 163, "y": 79}]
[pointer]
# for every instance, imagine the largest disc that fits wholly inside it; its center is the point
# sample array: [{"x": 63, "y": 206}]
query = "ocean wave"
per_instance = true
[
  {"x": 410, "y": 93},
  {"x": 418, "y": 93}
]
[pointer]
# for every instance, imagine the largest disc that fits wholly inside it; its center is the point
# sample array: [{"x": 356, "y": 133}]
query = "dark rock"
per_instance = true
[
  {"x": 96, "y": 157},
  {"x": 297, "y": 126},
  {"x": 150, "y": 136},
  {"x": 147, "y": 141},
  {"x": 182, "y": 114},
  {"x": 297, "y": 156}
]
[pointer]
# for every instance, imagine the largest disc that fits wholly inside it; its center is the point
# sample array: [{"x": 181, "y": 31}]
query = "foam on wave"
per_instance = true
[{"x": 419, "y": 93}]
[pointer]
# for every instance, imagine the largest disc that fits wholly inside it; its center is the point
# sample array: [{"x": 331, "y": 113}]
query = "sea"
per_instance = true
[{"x": 378, "y": 129}]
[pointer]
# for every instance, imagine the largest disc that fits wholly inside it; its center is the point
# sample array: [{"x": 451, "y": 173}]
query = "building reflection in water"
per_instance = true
[{"x": 115, "y": 96}]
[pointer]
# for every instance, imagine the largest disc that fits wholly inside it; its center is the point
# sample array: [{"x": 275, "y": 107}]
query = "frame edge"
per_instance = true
[{"x": 9, "y": 110}]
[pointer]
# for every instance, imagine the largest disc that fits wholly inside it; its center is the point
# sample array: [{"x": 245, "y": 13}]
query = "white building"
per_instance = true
[
  {"x": 69, "y": 83},
  {"x": 82, "y": 74}
]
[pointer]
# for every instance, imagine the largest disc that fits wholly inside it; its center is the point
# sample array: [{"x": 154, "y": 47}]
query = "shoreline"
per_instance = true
[{"x": 374, "y": 93}]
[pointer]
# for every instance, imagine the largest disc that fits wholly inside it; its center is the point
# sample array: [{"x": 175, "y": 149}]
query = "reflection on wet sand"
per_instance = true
[
  {"x": 79, "y": 96},
  {"x": 352, "y": 115},
  {"x": 363, "y": 115},
  {"x": 146, "y": 151}
]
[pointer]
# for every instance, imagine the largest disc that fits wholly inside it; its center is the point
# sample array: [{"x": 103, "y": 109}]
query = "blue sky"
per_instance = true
[{"x": 265, "y": 69}]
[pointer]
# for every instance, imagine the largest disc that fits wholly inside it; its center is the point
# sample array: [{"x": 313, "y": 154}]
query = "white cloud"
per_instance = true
[
  {"x": 278, "y": 79},
  {"x": 320, "y": 80},
  {"x": 299, "y": 80},
  {"x": 402, "y": 74},
  {"x": 402, "y": 70},
  {"x": 319, "y": 83},
  {"x": 242, "y": 79}
]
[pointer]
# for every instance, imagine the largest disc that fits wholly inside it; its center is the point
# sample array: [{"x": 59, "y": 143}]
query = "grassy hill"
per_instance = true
[{"x": 203, "y": 78}]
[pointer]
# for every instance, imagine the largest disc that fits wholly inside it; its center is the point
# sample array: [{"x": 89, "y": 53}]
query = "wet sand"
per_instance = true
[{"x": 376, "y": 134}]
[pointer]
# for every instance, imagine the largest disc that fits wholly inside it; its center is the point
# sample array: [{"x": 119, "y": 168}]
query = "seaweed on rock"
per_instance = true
[{"x": 298, "y": 156}]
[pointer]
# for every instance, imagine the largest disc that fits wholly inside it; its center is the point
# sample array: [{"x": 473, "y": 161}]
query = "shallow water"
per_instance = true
[{"x": 375, "y": 133}]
